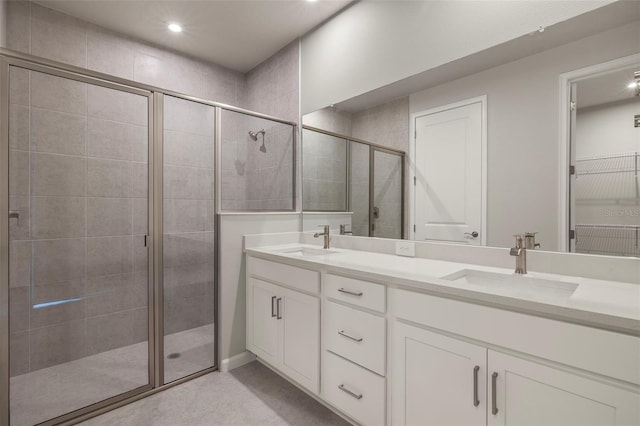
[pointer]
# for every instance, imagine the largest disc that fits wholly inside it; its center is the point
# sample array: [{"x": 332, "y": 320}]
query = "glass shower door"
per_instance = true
[
  {"x": 188, "y": 238},
  {"x": 386, "y": 211},
  {"x": 78, "y": 261}
]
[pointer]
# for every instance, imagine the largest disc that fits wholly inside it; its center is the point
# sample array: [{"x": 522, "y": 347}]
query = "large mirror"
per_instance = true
[{"x": 530, "y": 136}]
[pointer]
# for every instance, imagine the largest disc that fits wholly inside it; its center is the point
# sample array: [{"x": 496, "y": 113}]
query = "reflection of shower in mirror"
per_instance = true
[{"x": 254, "y": 136}]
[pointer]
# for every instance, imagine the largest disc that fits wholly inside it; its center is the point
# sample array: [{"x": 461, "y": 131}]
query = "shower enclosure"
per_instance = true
[
  {"x": 344, "y": 174},
  {"x": 108, "y": 237}
]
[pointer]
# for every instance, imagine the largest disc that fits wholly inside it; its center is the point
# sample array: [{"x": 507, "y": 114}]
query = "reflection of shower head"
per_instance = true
[{"x": 254, "y": 136}]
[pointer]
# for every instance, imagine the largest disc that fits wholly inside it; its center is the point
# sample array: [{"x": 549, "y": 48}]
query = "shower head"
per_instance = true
[{"x": 254, "y": 135}]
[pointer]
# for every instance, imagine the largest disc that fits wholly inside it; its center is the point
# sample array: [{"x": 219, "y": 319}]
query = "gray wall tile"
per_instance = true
[
  {"x": 58, "y": 260},
  {"x": 18, "y": 172},
  {"x": 109, "y": 216},
  {"x": 58, "y": 175},
  {"x": 109, "y": 293},
  {"x": 57, "y": 344},
  {"x": 58, "y": 94},
  {"x": 19, "y": 353},
  {"x": 58, "y": 36},
  {"x": 19, "y": 127},
  {"x": 19, "y": 264},
  {"x": 114, "y": 140},
  {"x": 58, "y": 217},
  {"x": 58, "y": 313},
  {"x": 109, "y": 256},
  {"x": 110, "y": 104},
  {"x": 109, "y": 178},
  {"x": 109, "y": 332},
  {"x": 58, "y": 132}
]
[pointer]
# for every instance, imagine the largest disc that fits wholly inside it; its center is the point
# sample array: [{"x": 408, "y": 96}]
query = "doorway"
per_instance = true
[
  {"x": 450, "y": 166},
  {"x": 604, "y": 154}
]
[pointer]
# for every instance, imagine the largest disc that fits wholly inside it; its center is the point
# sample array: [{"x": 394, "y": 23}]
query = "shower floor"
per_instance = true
[{"x": 51, "y": 392}]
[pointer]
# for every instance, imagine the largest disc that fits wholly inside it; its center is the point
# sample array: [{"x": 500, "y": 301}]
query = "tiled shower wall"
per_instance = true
[
  {"x": 324, "y": 163},
  {"x": 78, "y": 177},
  {"x": 253, "y": 179}
]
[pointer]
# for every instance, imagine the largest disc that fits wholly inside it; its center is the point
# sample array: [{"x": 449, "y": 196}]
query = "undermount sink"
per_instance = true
[
  {"x": 307, "y": 251},
  {"x": 513, "y": 284}
]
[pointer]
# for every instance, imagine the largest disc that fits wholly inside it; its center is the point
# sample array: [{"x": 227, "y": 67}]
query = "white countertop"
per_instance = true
[{"x": 603, "y": 304}]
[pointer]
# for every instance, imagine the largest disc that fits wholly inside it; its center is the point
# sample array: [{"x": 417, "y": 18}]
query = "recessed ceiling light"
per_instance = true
[
  {"x": 632, "y": 85},
  {"x": 174, "y": 27}
]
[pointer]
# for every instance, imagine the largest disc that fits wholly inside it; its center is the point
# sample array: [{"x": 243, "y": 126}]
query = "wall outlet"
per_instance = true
[{"x": 406, "y": 248}]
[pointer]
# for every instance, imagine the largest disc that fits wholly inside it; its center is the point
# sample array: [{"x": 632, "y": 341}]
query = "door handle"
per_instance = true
[
  {"x": 278, "y": 316},
  {"x": 494, "y": 402},
  {"x": 376, "y": 212},
  {"x": 476, "y": 401},
  {"x": 473, "y": 234},
  {"x": 273, "y": 312}
]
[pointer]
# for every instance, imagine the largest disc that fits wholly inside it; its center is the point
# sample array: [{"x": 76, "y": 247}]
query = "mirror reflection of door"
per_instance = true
[
  {"x": 605, "y": 187},
  {"x": 449, "y": 186},
  {"x": 386, "y": 188}
]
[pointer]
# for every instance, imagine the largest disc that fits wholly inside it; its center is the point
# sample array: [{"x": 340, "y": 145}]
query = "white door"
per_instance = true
[
  {"x": 262, "y": 330},
  {"x": 437, "y": 380},
  {"x": 449, "y": 175},
  {"x": 300, "y": 337},
  {"x": 527, "y": 393}
]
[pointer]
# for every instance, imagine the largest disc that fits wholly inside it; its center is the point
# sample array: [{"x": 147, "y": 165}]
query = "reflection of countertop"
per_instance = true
[{"x": 602, "y": 304}]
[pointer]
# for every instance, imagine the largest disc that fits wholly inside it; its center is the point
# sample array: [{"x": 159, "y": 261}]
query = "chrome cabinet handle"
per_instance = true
[
  {"x": 278, "y": 316},
  {"x": 494, "y": 402},
  {"x": 476, "y": 401},
  {"x": 353, "y": 293},
  {"x": 355, "y": 339},
  {"x": 15, "y": 214},
  {"x": 353, "y": 394},
  {"x": 273, "y": 313}
]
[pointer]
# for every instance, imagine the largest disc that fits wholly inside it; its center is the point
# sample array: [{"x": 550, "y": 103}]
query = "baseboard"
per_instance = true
[{"x": 236, "y": 361}]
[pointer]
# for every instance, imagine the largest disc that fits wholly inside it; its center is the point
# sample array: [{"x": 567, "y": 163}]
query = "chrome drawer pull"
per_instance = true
[
  {"x": 476, "y": 401},
  {"x": 353, "y": 394},
  {"x": 355, "y": 339},
  {"x": 494, "y": 399},
  {"x": 353, "y": 293}
]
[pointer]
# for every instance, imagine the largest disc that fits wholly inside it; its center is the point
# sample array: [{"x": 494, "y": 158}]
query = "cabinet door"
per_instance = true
[
  {"x": 262, "y": 322},
  {"x": 528, "y": 393},
  {"x": 300, "y": 338},
  {"x": 437, "y": 380}
]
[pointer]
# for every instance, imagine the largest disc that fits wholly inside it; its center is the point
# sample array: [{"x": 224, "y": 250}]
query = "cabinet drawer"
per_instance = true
[
  {"x": 354, "y": 390},
  {"x": 291, "y": 276},
  {"x": 357, "y": 292},
  {"x": 355, "y": 335}
]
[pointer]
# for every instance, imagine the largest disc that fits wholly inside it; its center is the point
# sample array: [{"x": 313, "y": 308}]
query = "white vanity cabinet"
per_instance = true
[
  {"x": 439, "y": 379},
  {"x": 283, "y": 323},
  {"x": 354, "y": 340},
  {"x": 436, "y": 380}
]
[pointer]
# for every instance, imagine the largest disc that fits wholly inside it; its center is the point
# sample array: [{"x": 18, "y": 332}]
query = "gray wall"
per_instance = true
[
  {"x": 3, "y": 23},
  {"x": 523, "y": 119},
  {"x": 372, "y": 44}
]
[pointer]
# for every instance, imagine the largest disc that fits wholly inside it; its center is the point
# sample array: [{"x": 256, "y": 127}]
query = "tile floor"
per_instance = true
[
  {"x": 247, "y": 396},
  {"x": 50, "y": 392}
]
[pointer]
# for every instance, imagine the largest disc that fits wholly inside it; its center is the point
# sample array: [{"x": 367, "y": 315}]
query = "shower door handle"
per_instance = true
[
  {"x": 376, "y": 212},
  {"x": 15, "y": 214}
]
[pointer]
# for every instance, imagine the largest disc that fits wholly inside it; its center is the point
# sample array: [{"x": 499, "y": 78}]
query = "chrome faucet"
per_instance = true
[
  {"x": 325, "y": 234},
  {"x": 343, "y": 229},
  {"x": 520, "y": 252}
]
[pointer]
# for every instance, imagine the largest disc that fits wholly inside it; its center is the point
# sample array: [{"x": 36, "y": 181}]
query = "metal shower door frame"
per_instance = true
[{"x": 372, "y": 171}]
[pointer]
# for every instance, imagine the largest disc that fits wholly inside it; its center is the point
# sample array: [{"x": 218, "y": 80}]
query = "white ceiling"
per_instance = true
[
  {"x": 237, "y": 34},
  {"x": 607, "y": 88}
]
